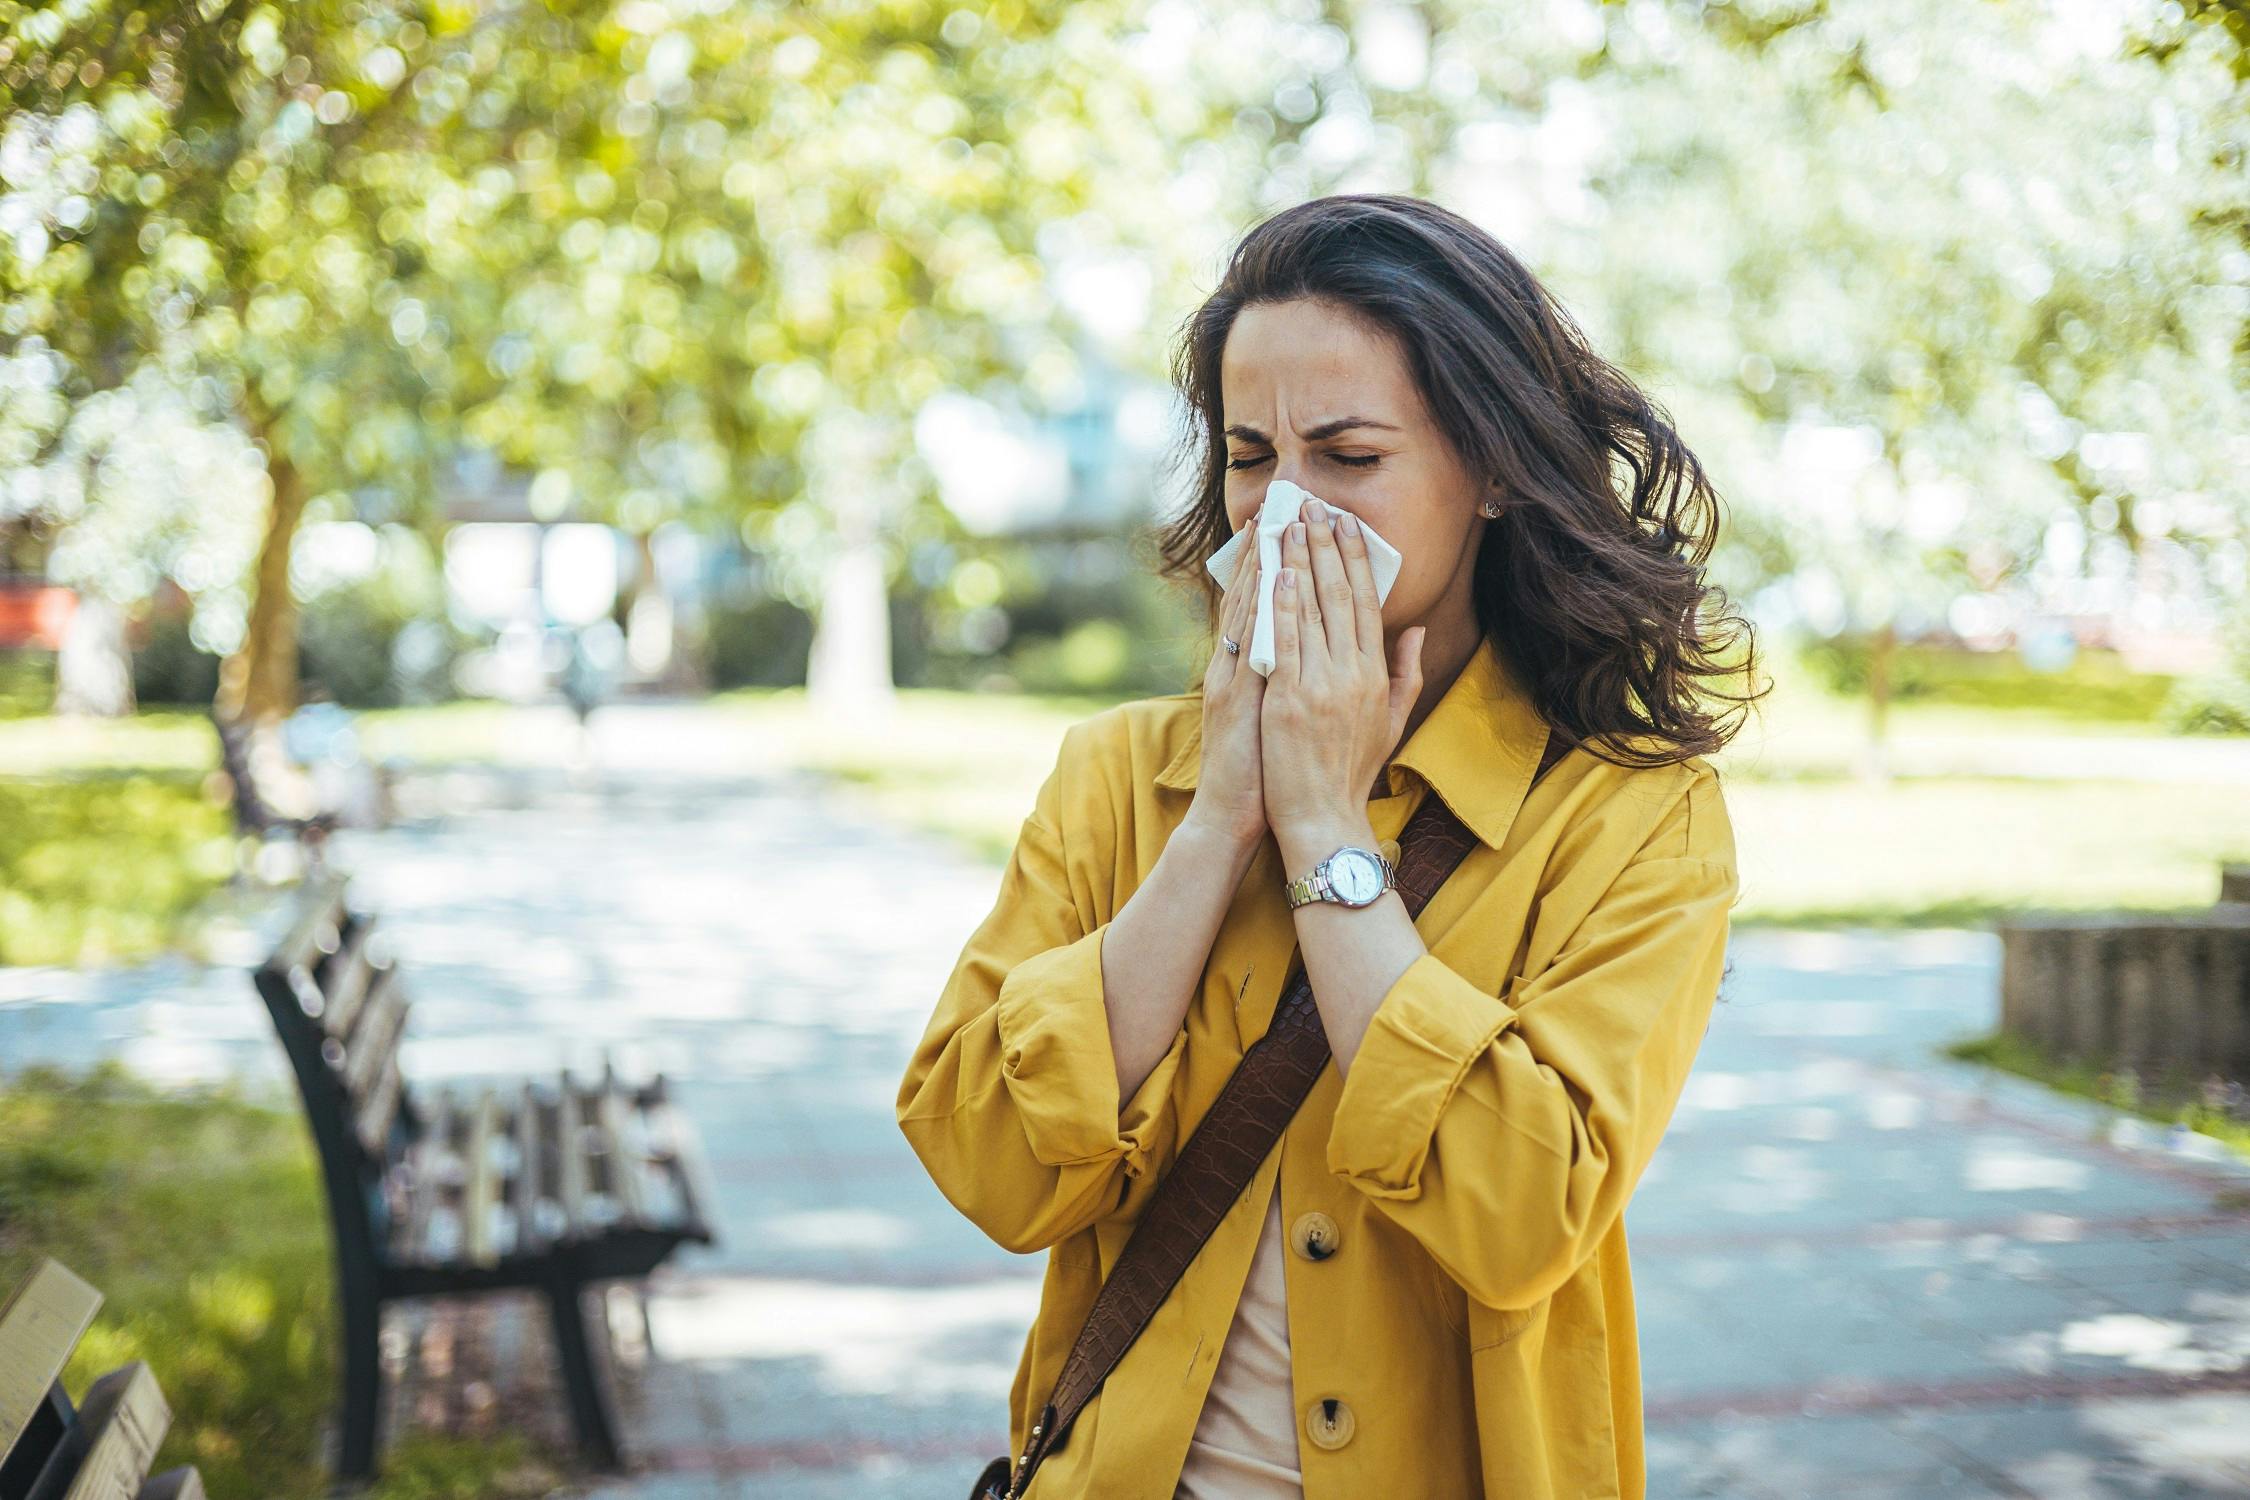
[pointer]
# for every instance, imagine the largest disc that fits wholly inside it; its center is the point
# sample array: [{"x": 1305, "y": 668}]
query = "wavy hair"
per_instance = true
[{"x": 1593, "y": 590}]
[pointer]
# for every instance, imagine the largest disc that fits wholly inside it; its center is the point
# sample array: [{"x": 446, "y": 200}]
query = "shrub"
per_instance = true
[{"x": 2096, "y": 684}]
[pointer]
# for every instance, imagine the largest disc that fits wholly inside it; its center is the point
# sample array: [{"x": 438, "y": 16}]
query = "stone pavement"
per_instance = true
[{"x": 1862, "y": 1269}]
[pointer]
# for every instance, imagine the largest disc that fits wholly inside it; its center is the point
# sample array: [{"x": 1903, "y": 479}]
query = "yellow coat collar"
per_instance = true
[{"x": 1476, "y": 748}]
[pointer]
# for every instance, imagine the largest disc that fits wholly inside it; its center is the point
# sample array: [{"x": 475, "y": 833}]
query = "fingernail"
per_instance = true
[
  {"x": 1296, "y": 531},
  {"x": 1350, "y": 524},
  {"x": 1285, "y": 578}
]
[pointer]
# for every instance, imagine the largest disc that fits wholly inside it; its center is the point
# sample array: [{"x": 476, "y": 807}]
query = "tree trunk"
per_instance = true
[
  {"x": 848, "y": 675},
  {"x": 258, "y": 683},
  {"x": 850, "y": 670},
  {"x": 93, "y": 669}
]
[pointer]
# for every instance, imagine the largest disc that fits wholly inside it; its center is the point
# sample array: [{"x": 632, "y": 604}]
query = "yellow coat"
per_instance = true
[{"x": 1473, "y": 1323}]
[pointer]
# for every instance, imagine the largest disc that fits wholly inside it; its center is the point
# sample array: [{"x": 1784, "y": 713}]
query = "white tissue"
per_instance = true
[{"x": 1274, "y": 515}]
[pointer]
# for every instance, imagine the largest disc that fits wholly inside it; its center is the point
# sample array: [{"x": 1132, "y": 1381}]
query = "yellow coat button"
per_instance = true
[
  {"x": 1329, "y": 1423},
  {"x": 1314, "y": 1235}
]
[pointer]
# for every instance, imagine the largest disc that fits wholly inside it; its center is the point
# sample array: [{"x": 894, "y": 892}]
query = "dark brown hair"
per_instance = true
[{"x": 1597, "y": 598}]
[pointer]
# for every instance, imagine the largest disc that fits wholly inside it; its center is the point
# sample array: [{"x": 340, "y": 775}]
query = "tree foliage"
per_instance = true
[{"x": 1953, "y": 297}]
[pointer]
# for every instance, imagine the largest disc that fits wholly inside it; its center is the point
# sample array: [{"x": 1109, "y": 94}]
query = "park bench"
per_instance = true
[
  {"x": 254, "y": 813},
  {"x": 99, "y": 1449},
  {"x": 543, "y": 1185}
]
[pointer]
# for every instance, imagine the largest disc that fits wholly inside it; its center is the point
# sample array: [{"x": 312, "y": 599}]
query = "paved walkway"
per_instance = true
[{"x": 1862, "y": 1270}]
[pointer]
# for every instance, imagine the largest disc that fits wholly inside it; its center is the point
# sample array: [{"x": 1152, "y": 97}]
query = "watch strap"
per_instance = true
[{"x": 1314, "y": 884}]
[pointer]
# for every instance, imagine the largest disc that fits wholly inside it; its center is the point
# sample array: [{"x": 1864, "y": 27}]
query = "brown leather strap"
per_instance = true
[{"x": 1225, "y": 1149}]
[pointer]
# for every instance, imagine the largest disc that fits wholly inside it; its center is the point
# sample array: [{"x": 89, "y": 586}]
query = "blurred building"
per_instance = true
[
  {"x": 525, "y": 567},
  {"x": 1089, "y": 471}
]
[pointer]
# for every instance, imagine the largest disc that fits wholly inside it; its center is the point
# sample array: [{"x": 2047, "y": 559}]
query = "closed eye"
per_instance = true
[{"x": 1353, "y": 460}]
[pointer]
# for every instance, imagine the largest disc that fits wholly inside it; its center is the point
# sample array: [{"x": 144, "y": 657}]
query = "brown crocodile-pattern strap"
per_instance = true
[{"x": 1226, "y": 1147}]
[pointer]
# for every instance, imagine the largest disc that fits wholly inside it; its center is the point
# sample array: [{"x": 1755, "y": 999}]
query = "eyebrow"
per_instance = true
[{"x": 1324, "y": 430}]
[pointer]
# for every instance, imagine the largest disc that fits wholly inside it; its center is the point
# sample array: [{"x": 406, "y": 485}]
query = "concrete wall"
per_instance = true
[{"x": 2155, "y": 994}]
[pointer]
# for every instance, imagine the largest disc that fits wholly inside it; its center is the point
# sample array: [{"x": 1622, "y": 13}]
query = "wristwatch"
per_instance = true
[{"x": 1352, "y": 876}]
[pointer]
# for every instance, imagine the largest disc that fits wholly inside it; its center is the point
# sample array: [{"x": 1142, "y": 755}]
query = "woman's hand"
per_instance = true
[
  {"x": 1229, "y": 797},
  {"x": 1334, "y": 708}
]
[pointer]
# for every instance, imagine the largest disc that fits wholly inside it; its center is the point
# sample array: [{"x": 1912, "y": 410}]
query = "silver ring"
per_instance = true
[{"x": 1234, "y": 648}]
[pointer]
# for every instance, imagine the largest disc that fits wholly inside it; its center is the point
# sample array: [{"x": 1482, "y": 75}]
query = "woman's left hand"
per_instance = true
[{"x": 1333, "y": 707}]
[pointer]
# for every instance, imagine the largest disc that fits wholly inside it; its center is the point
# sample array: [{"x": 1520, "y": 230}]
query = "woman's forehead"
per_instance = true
[{"x": 1316, "y": 363}]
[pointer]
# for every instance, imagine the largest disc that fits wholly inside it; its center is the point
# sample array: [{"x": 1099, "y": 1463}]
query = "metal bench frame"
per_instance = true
[{"x": 551, "y": 1220}]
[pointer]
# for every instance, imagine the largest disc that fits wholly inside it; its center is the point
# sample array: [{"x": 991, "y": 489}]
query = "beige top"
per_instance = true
[{"x": 1245, "y": 1443}]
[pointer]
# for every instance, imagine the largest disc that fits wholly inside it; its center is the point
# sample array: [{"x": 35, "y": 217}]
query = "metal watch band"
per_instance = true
[{"x": 1313, "y": 884}]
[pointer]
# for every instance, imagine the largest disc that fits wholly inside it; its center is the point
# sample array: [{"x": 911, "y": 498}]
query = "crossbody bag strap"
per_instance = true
[{"x": 1224, "y": 1151}]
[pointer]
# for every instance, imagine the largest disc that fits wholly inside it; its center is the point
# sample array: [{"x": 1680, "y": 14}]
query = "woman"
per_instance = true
[{"x": 1425, "y": 1290}]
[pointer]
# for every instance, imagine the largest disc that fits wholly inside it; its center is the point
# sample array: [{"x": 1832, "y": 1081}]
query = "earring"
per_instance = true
[{"x": 1491, "y": 509}]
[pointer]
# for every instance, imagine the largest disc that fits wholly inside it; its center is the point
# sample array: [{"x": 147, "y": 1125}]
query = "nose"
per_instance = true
[{"x": 1293, "y": 471}]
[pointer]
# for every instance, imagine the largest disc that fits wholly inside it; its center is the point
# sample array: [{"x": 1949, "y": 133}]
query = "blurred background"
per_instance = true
[{"x": 643, "y": 487}]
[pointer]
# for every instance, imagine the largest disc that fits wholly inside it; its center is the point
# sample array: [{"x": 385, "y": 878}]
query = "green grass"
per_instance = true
[
  {"x": 106, "y": 866},
  {"x": 183, "y": 740},
  {"x": 2171, "y": 1099},
  {"x": 199, "y": 1216},
  {"x": 1961, "y": 834},
  {"x": 1966, "y": 851},
  {"x": 62, "y": 744},
  {"x": 1817, "y": 845},
  {"x": 962, "y": 765},
  {"x": 2097, "y": 685},
  {"x": 113, "y": 841},
  {"x": 445, "y": 733}
]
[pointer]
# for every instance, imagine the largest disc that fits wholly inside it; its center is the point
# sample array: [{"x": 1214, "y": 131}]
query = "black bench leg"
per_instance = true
[
  {"x": 363, "y": 1387},
  {"x": 589, "y": 1407}
]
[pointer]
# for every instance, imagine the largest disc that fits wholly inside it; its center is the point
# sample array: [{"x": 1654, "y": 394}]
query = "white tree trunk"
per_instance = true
[
  {"x": 849, "y": 673},
  {"x": 93, "y": 670}
]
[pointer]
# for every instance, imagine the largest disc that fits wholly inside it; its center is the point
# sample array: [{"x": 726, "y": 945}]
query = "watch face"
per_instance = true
[{"x": 1354, "y": 875}]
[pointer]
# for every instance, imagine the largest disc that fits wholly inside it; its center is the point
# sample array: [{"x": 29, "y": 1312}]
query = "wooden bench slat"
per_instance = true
[
  {"x": 524, "y": 1187},
  {"x": 621, "y": 1155},
  {"x": 428, "y": 1162},
  {"x": 321, "y": 906},
  {"x": 348, "y": 976},
  {"x": 481, "y": 1195},
  {"x": 570, "y": 1159},
  {"x": 99, "y": 1449},
  {"x": 124, "y": 1418},
  {"x": 43, "y": 1320},
  {"x": 592, "y": 1140},
  {"x": 382, "y": 1023},
  {"x": 378, "y": 1111},
  {"x": 305, "y": 990},
  {"x": 182, "y": 1483},
  {"x": 679, "y": 1153}
]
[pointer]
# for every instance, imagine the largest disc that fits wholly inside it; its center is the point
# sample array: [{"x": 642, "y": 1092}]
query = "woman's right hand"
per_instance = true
[{"x": 1229, "y": 789}]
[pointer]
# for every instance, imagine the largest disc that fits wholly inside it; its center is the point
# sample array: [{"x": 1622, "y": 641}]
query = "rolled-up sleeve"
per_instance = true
[
  {"x": 1011, "y": 1098},
  {"x": 1506, "y": 1134}
]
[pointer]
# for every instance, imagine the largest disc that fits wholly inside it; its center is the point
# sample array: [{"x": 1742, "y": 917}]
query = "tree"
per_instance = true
[
  {"x": 702, "y": 262},
  {"x": 1963, "y": 254},
  {"x": 1935, "y": 290},
  {"x": 192, "y": 213}
]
